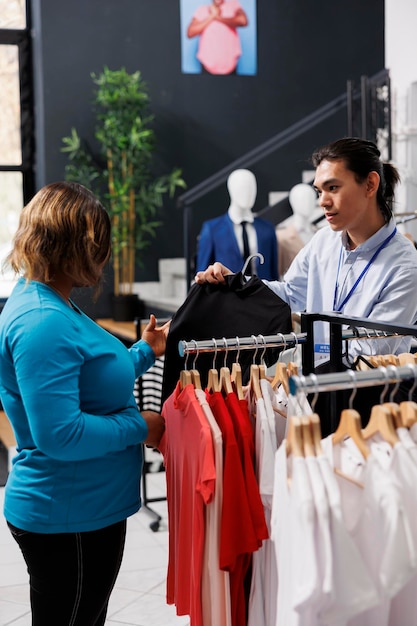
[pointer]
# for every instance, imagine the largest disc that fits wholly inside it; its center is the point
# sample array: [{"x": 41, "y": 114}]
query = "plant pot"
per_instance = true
[{"x": 125, "y": 308}]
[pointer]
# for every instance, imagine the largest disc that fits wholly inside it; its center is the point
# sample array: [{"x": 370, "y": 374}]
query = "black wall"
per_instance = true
[{"x": 306, "y": 53}]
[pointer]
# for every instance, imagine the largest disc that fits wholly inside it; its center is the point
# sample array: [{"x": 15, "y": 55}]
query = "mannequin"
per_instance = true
[
  {"x": 221, "y": 238},
  {"x": 242, "y": 189},
  {"x": 299, "y": 229},
  {"x": 303, "y": 201}
]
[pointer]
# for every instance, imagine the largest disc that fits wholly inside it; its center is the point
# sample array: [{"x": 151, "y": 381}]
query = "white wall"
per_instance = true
[{"x": 401, "y": 60}]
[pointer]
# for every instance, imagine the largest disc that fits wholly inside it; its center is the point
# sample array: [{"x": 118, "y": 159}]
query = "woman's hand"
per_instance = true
[
  {"x": 156, "y": 336},
  {"x": 213, "y": 274},
  {"x": 156, "y": 428}
]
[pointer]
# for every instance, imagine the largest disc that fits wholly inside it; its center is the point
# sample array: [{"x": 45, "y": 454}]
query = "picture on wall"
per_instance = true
[{"x": 218, "y": 37}]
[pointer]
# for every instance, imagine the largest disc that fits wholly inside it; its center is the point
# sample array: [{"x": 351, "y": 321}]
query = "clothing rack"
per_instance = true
[
  {"x": 337, "y": 336},
  {"x": 357, "y": 328},
  {"x": 316, "y": 383},
  {"x": 261, "y": 342},
  {"x": 337, "y": 397}
]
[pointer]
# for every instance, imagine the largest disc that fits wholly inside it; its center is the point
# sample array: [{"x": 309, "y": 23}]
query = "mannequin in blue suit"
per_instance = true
[{"x": 221, "y": 238}]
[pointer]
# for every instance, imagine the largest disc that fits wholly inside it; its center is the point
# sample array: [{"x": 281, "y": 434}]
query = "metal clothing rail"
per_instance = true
[
  {"x": 336, "y": 321},
  {"x": 351, "y": 379},
  {"x": 261, "y": 342}
]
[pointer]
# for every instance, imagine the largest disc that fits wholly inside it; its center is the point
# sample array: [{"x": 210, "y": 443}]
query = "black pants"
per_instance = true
[{"x": 71, "y": 574}]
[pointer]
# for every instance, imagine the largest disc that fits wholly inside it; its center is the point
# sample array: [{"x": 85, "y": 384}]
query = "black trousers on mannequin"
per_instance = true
[{"x": 71, "y": 574}]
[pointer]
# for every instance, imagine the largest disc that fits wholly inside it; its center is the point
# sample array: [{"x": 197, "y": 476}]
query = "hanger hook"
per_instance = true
[
  {"x": 414, "y": 385},
  {"x": 385, "y": 389},
  {"x": 238, "y": 349},
  {"x": 257, "y": 255},
  {"x": 264, "y": 350},
  {"x": 394, "y": 371},
  {"x": 284, "y": 341},
  {"x": 187, "y": 354},
  {"x": 215, "y": 353},
  {"x": 294, "y": 353},
  {"x": 197, "y": 353},
  {"x": 226, "y": 351},
  {"x": 354, "y": 388},
  {"x": 255, "y": 339},
  {"x": 368, "y": 341},
  {"x": 316, "y": 391}
]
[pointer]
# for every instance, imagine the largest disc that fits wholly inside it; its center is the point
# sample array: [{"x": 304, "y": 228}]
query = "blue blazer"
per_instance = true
[{"x": 217, "y": 242}]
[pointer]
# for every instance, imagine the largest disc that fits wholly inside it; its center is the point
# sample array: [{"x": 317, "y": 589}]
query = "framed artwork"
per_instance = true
[{"x": 218, "y": 37}]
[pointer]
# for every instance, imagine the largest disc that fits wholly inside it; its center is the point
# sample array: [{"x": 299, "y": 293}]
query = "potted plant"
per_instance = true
[{"x": 122, "y": 174}]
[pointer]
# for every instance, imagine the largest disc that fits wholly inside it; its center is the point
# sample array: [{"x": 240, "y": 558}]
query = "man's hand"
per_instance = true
[
  {"x": 156, "y": 336},
  {"x": 213, "y": 274}
]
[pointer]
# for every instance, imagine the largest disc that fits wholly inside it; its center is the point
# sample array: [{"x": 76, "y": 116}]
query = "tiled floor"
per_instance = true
[{"x": 139, "y": 595}]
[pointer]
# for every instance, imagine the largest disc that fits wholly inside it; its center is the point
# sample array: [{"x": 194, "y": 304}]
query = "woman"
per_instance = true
[{"x": 67, "y": 387}]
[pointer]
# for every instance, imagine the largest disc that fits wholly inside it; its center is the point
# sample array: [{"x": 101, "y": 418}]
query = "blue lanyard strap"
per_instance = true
[{"x": 358, "y": 280}]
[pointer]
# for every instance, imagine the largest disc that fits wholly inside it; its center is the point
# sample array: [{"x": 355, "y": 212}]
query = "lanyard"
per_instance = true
[{"x": 358, "y": 280}]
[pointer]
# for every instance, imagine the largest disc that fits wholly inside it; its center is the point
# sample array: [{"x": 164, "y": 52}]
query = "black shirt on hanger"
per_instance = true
[{"x": 236, "y": 308}]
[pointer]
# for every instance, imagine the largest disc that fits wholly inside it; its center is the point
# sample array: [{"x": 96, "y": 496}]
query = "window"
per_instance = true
[{"x": 16, "y": 124}]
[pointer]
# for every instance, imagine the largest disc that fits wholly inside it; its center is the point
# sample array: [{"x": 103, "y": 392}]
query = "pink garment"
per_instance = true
[
  {"x": 219, "y": 46},
  {"x": 187, "y": 447}
]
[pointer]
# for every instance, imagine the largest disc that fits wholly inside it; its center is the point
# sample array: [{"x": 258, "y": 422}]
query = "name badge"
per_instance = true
[{"x": 322, "y": 348}]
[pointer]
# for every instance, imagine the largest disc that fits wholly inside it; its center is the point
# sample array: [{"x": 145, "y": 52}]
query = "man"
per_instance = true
[
  {"x": 360, "y": 266},
  {"x": 219, "y": 47}
]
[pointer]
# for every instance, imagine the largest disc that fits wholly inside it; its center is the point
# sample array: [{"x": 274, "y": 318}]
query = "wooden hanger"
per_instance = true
[
  {"x": 254, "y": 384},
  {"x": 281, "y": 377},
  {"x": 185, "y": 375},
  {"x": 196, "y": 379},
  {"x": 262, "y": 366},
  {"x": 391, "y": 359},
  {"x": 185, "y": 378},
  {"x": 375, "y": 360},
  {"x": 195, "y": 374},
  {"x": 236, "y": 374},
  {"x": 307, "y": 436},
  {"x": 236, "y": 377},
  {"x": 281, "y": 373},
  {"x": 292, "y": 368},
  {"x": 381, "y": 422},
  {"x": 396, "y": 415},
  {"x": 408, "y": 410},
  {"x": 225, "y": 380},
  {"x": 294, "y": 438},
  {"x": 316, "y": 431},
  {"x": 392, "y": 406},
  {"x": 406, "y": 357},
  {"x": 408, "y": 407},
  {"x": 350, "y": 426},
  {"x": 213, "y": 383}
]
